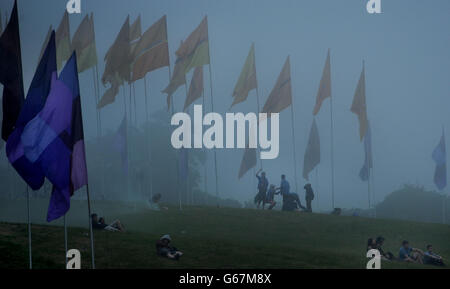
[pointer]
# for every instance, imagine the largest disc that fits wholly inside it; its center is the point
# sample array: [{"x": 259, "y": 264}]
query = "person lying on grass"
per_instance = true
[
  {"x": 409, "y": 254},
  {"x": 164, "y": 249},
  {"x": 101, "y": 225},
  {"x": 431, "y": 258}
]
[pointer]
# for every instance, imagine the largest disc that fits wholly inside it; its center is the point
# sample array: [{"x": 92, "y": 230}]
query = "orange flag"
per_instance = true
[
  {"x": 281, "y": 95},
  {"x": 324, "y": 86},
  {"x": 248, "y": 161},
  {"x": 359, "y": 104}
]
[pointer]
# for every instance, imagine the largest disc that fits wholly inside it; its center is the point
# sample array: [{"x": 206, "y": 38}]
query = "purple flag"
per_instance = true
[{"x": 54, "y": 140}]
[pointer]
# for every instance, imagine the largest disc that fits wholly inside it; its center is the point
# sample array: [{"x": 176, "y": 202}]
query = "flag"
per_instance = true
[
  {"x": 44, "y": 45},
  {"x": 109, "y": 96},
  {"x": 152, "y": 50},
  {"x": 359, "y": 104},
  {"x": 440, "y": 158},
  {"x": 196, "y": 87},
  {"x": 11, "y": 74},
  {"x": 281, "y": 95},
  {"x": 195, "y": 49},
  {"x": 63, "y": 46},
  {"x": 83, "y": 43},
  {"x": 247, "y": 78},
  {"x": 183, "y": 164},
  {"x": 54, "y": 140},
  {"x": 178, "y": 79},
  {"x": 324, "y": 86},
  {"x": 117, "y": 66},
  {"x": 364, "y": 173},
  {"x": 121, "y": 144},
  {"x": 248, "y": 161},
  {"x": 37, "y": 94},
  {"x": 312, "y": 152},
  {"x": 135, "y": 29}
]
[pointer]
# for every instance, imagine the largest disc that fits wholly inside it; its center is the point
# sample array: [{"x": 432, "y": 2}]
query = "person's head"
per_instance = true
[
  {"x": 101, "y": 220},
  {"x": 370, "y": 242},
  {"x": 430, "y": 248},
  {"x": 405, "y": 244},
  {"x": 94, "y": 217},
  {"x": 263, "y": 174},
  {"x": 380, "y": 240},
  {"x": 166, "y": 239},
  {"x": 283, "y": 177},
  {"x": 307, "y": 186}
]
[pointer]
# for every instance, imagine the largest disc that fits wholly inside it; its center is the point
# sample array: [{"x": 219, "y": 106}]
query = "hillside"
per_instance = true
[{"x": 221, "y": 238}]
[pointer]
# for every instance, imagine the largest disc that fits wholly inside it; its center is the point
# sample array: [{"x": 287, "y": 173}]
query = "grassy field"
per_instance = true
[{"x": 215, "y": 238}]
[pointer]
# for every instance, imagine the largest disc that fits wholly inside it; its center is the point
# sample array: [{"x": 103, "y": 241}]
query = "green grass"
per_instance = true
[{"x": 221, "y": 238}]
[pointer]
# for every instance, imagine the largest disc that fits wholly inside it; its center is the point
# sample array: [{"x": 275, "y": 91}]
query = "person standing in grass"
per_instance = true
[
  {"x": 263, "y": 183},
  {"x": 309, "y": 196}
]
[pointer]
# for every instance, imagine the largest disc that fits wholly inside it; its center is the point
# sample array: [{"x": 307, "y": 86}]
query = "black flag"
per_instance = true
[{"x": 11, "y": 74}]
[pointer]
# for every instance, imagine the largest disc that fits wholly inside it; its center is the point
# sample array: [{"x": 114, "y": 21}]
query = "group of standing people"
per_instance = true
[{"x": 291, "y": 201}]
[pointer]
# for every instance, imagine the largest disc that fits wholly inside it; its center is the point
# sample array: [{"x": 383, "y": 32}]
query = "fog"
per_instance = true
[{"x": 407, "y": 65}]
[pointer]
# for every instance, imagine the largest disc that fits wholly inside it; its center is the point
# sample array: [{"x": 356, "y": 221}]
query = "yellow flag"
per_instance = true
[
  {"x": 135, "y": 29},
  {"x": 324, "y": 86},
  {"x": 281, "y": 95},
  {"x": 359, "y": 104},
  {"x": 247, "y": 78},
  {"x": 195, "y": 49}
]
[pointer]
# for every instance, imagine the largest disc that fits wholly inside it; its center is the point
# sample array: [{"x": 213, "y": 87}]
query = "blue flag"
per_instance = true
[
  {"x": 36, "y": 97},
  {"x": 440, "y": 158},
  {"x": 364, "y": 173}
]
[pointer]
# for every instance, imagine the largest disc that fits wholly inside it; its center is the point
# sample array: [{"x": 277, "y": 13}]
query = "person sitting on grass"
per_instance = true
[
  {"x": 409, "y": 254},
  {"x": 431, "y": 258},
  {"x": 101, "y": 225},
  {"x": 164, "y": 249},
  {"x": 387, "y": 256}
]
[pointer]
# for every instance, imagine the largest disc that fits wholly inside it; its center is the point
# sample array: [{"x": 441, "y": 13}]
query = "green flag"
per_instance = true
[{"x": 62, "y": 38}]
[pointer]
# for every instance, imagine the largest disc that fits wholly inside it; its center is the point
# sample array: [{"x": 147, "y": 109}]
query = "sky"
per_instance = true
[{"x": 407, "y": 63}]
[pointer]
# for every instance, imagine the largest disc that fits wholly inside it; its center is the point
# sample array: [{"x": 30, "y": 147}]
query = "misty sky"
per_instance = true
[{"x": 405, "y": 49}]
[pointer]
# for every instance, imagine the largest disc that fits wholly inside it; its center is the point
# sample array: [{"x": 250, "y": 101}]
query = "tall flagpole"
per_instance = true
[
  {"x": 65, "y": 238},
  {"x": 148, "y": 137},
  {"x": 257, "y": 95},
  {"x": 206, "y": 152},
  {"x": 29, "y": 231},
  {"x": 91, "y": 233},
  {"x": 332, "y": 151},
  {"x": 293, "y": 146},
  {"x": 317, "y": 187}
]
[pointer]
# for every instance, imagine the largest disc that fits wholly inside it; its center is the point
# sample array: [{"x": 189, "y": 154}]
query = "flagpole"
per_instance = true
[
  {"x": 65, "y": 238},
  {"x": 257, "y": 98},
  {"x": 148, "y": 137},
  {"x": 29, "y": 230},
  {"x": 293, "y": 146},
  {"x": 332, "y": 151},
  {"x": 317, "y": 187},
  {"x": 91, "y": 233},
  {"x": 205, "y": 151}
]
